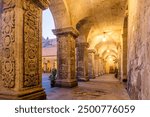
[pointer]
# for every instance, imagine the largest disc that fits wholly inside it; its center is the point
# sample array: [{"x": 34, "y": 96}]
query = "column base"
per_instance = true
[
  {"x": 92, "y": 77},
  {"x": 32, "y": 94},
  {"x": 66, "y": 83},
  {"x": 85, "y": 79},
  {"x": 124, "y": 78}
]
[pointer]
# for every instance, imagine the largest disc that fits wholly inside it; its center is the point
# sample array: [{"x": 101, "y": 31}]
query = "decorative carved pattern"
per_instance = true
[
  {"x": 31, "y": 44},
  {"x": 8, "y": 40},
  {"x": 8, "y": 4}
]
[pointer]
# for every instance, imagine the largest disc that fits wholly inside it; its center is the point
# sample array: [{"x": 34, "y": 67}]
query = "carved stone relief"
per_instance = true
[
  {"x": 8, "y": 4},
  {"x": 8, "y": 40},
  {"x": 31, "y": 44}
]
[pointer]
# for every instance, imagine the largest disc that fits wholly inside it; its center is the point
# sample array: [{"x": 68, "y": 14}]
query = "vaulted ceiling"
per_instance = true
[{"x": 101, "y": 22}]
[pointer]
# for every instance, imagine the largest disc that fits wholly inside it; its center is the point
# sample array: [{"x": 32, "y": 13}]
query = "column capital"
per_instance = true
[
  {"x": 43, "y": 4},
  {"x": 91, "y": 51},
  {"x": 64, "y": 31}
]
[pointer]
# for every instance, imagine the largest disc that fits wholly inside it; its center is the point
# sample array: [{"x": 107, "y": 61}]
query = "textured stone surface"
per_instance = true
[
  {"x": 124, "y": 50},
  {"x": 21, "y": 51},
  {"x": 96, "y": 57},
  {"x": 82, "y": 61},
  {"x": 66, "y": 57},
  {"x": 91, "y": 64},
  {"x": 138, "y": 49}
]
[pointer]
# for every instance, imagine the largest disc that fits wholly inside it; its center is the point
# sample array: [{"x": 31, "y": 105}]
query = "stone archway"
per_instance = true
[{"x": 20, "y": 45}]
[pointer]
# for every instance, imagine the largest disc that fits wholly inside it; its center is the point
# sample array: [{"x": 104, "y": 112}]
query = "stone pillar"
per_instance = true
[
  {"x": 124, "y": 50},
  {"x": 119, "y": 62},
  {"x": 91, "y": 63},
  {"x": 96, "y": 65},
  {"x": 66, "y": 57},
  {"x": 21, "y": 50},
  {"x": 100, "y": 67},
  {"x": 103, "y": 67},
  {"x": 82, "y": 61}
]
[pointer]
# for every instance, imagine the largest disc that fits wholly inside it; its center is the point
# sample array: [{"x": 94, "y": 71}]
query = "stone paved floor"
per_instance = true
[{"x": 102, "y": 88}]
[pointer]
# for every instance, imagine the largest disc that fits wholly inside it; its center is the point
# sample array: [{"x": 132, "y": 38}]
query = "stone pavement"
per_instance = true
[{"x": 102, "y": 88}]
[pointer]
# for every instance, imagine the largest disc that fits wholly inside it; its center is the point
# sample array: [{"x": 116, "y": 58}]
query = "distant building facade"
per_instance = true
[{"x": 49, "y": 54}]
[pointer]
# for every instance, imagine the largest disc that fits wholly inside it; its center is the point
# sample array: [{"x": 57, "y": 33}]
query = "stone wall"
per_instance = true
[{"x": 139, "y": 49}]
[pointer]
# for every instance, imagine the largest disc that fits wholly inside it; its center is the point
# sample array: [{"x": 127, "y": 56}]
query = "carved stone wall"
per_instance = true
[
  {"x": 8, "y": 41},
  {"x": 31, "y": 40},
  {"x": 21, "y": 42}
]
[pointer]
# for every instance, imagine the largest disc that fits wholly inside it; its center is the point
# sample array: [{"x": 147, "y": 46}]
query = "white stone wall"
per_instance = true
[{"x": 139, "y": 49}]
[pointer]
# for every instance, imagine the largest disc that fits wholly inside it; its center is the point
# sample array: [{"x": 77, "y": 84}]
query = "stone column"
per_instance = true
[
  {"x": 96, "y": 65},
  {"x": 91, "y": 63},
  {"x": 119, "y": 62},
  {"x": 21, "y": 50},
  {"x": 124, "y": 50},
  {"x": 66, "y": 57},
  {"x": 82, "y": 61},
  {"x": 100, "y": 67}
]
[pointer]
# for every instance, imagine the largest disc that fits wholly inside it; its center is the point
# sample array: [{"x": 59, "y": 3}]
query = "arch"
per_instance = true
[
  {"x": 60, "y": 12},
  {"x": 84, "y": 26}
]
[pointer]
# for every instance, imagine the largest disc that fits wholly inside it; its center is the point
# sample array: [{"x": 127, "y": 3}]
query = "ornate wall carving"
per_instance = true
[
  {"x": 8, "y": 4},
  {"x": 8, "y": 41},
  {"x": 31, "y": 44}
]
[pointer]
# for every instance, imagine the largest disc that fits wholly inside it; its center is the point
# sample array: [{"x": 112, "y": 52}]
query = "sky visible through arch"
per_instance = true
[{"x": 48, "y": 25}]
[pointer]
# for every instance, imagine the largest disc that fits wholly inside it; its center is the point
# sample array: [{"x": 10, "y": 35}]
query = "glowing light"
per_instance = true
[
  {"x": 98, "y": 37},
  {"x": 110, "y": 58},
  {"x": 104, "y": 39},
  {"x": 108, "y": 50}
]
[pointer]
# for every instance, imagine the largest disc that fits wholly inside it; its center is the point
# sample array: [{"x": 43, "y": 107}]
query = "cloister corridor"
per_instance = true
[
  {"x": 105, "y": 87},
  {"x": 94, "y": 38}
]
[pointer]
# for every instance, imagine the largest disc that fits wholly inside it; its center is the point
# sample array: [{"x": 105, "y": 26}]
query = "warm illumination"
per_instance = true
[
  {"x": 108, "y": 50},
  {"x": 104, "y": 39},
  {"x": 110, "y": 58}
]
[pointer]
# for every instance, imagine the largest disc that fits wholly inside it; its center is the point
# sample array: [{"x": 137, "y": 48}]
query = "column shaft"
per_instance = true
[
  {"x": 96, "y": 65},
  {"x": 82, "y": 61},
  {"x": 66, "y": 57},
  {"x": 91, "y": 64}
]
